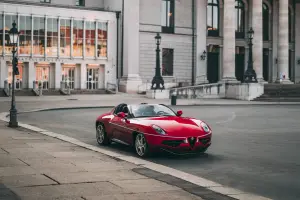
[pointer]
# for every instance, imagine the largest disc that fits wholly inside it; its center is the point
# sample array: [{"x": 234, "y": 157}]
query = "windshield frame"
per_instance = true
[{"x": 133, "y": 116}]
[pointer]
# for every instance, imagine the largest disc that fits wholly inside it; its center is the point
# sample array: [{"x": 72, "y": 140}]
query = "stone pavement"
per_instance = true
[
  {"x": 27, "y": 103},
  {"x": 37, "y": 167}
]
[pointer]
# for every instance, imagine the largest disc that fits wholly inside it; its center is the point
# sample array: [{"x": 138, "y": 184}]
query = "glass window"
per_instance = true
[
  {"x": 78, "y": 38},
  {"x": 65, "y": 38},
  {"x": 45, "y": 1},
  {"x": 90, "y": 31},
  {"x": 290, "y": 25},
  {"x": 167, "y": 62},
  {"x": 167, "y": 16},
  {"x": 9, "y": 19},
  {"x": 213, "y": 18},
  {"x": 150, "y": 110},
  {"x": 240, "y": 19},
  {"x": 38, "y": 35},
  {"x": 80, "y": 2},
  {"x": 25, "y": 35},
  {"x": 52, "y": 37},
  {"x": 266, "y": 24},
  {"x": 1, "y": 33},
  {"x": 102, "y": 39}
]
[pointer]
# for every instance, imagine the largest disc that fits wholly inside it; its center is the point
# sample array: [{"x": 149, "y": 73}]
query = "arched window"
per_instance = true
[
  {"x": 290, "y": 25},
  {"x": 213, "y": 18},
  {"x": 266, "y": 22},
  {"x": 240, "y": 19}
]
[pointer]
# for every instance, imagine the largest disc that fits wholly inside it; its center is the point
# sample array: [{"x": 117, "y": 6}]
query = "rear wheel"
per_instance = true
[
  {"x": 141, "y": 145},
  {"x": 101, "y": 135}
]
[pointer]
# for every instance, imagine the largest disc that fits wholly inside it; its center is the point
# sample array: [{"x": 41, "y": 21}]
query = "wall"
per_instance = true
[
  {"x": 88, "y": 3},
  {"x": 180, "y": 41}
]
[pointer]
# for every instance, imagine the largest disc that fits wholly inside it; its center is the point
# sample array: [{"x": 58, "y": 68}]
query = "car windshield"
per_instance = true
[{"x": 146, "y": 110}]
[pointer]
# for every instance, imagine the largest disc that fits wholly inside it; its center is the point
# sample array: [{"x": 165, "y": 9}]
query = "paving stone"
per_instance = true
[
  {"x": 83, "y": 189},
  {"x": 69, "y": 154},
  {"x": 7, "y": 194},
  {"x": 81, "y": 177},
  {"x": 144, "y": 185},
  {"x": 174, "y": 195},
  {"x": 7, "y": 161},
  {"x": 104, "y": 166},
  {"x": 17, "y": 170},
  {"x": 2, "y": 151},
  {"x": 26, "y": 180},
  {"x": 53, "y": 198}
]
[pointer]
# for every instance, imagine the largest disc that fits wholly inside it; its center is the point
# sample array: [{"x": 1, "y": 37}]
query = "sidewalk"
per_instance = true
[
  {"x": 37, "y": 167},
  {"x": 25, "y": 103}
]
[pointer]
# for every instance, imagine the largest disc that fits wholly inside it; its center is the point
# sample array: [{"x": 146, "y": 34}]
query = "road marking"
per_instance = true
[
  {"x": 230, "y": 192},
  {"x": 230, "y": 119}
]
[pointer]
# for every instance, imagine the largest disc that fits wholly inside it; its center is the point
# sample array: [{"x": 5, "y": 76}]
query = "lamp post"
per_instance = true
[
  {"x": 157, "y": 79},
  {"x": 13, "y": 36},
  {"x": 250, "y": 74}
]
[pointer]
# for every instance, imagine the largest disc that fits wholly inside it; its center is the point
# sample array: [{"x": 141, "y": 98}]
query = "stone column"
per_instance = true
[
  {"x": 283, "y": 41},
  {"x": 229, "y": 42},
  {"x": 2, "y": 73},
  {"x": 258, "y": 38},
  {"x": 297, "y": 44},
  {"x": 131, "y": 79},
  {"x": 83, "y": 76},
  {"x": 31, "y": 74},
  {"x": 275, "y": 41},
  {"x": 201, "y": 65},
  {"x": 58, "y": 71}
]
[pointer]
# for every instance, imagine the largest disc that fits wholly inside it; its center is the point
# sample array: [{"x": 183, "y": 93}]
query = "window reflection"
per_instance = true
[
  {"x": 90, "y": 39},
  {"x": 240, "y": 18},
  {"x": 52, "y": 37},
  {"x": 25, "y": 35},
  {"x": 213, "y": 18},
  {"x": 9, "y": 19},
  {"x": 102, "y": 40},
  {"x": 38, "y": 36},
  {"x": 65, "y": 37},
  {"x": 78, "y": 38},
  {"x": 1, "y": 34},
  {"x": 265, "y": 22}
]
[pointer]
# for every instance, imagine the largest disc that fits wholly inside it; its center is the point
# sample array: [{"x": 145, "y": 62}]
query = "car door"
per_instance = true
[{"x": 115, "y": 123}]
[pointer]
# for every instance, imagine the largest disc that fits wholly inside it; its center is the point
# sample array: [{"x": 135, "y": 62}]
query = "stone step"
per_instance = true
[
  {"x": 100, "y": 91},
  {"x": 24, "y": 92},
  {"x": 280, "y": 99}
]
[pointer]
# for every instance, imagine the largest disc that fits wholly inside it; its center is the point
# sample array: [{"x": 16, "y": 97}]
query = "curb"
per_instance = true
[
  {"x": 184, "y": 105},
  {"x": 202, "y": 182}
]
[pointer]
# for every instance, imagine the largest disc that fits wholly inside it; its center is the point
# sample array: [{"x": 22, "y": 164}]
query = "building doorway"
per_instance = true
[
  {"x": 18, "y": 78},
  {"x": 42, "y": 76},
  {"x": 212, "y": 67},
  {"x": 266, "y": 64},
  {"x": 239, "y": 63},
  {"x": 291, "y": 74},
  {"x": 68, "y": 77},
  {"x": 92, "y": 77}
]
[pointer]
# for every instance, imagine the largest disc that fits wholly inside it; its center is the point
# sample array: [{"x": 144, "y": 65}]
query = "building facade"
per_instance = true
[{"x": 88, "y": 44}]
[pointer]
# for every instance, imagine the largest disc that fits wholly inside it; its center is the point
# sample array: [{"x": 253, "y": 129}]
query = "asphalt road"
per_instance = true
[{"x": 254, "y": 148}]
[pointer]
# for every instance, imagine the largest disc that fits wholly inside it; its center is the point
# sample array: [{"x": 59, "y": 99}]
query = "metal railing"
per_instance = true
[{"x": 213, "y": 90}]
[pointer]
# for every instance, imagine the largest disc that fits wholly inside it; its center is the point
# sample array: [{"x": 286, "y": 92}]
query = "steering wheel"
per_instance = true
[{"x": 161, "y": 113}]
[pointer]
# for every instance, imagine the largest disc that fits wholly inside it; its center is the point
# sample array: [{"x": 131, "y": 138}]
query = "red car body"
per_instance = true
[{"x": 183, "y": 135}]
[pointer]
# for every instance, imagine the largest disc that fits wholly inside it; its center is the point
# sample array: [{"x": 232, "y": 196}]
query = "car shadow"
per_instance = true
[{"x": 7, "y": 194}]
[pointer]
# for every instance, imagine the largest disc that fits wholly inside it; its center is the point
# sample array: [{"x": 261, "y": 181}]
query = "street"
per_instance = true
[{"x": 254, "y": 147}]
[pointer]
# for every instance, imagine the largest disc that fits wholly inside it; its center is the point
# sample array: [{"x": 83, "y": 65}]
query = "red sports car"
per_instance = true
[{"x": 152, "y": 128}]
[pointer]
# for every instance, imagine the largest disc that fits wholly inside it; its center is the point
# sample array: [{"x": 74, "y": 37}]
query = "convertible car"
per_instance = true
[{"x": 152, "y": 128}]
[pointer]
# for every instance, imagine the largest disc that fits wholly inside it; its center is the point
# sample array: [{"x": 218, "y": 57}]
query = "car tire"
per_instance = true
[
  {"x": 141, "y": 146},
  {"x": 101, "y": 135}
]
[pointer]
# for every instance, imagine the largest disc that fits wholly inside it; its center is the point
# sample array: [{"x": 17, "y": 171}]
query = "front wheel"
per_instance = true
[
  {"x": 141, "y": 145},
  {"x": 101, "y": 135}
]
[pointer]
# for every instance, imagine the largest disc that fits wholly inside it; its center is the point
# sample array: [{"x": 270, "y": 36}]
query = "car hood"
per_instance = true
[{"x": 175, "y": 126}]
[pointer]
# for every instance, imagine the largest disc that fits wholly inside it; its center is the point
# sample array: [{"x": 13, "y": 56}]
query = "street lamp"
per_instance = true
[
  {"x": 250, "y": 74},
  {"x": 13, "y": 36},
  {"x": 157, "y": 79}
]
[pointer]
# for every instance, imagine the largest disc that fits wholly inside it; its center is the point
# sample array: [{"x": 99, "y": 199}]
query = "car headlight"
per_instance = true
[
  {"x": 158, "y": 130},
  {"x": 205, "y": 127}
]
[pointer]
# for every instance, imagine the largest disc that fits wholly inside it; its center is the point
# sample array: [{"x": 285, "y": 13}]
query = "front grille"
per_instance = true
[
  {"x": 204, "y": 140},
  {"x": 192, "y": 141},
  {"x": 172, "y": 143}
]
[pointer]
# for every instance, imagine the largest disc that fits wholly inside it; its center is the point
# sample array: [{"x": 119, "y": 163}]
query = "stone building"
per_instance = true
[{"x": 92, "y": 43}]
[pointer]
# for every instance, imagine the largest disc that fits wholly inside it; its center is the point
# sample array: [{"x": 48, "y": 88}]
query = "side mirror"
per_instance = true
[
  {"x": 179, "y": 113},
  {"x": 121, "y": 115}
]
